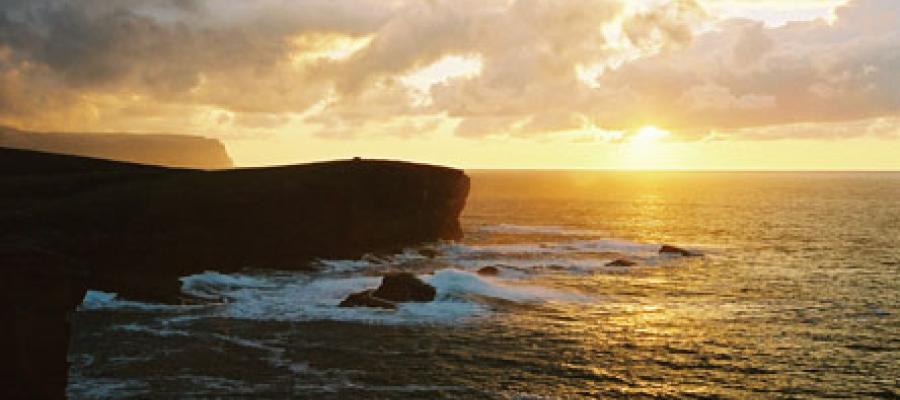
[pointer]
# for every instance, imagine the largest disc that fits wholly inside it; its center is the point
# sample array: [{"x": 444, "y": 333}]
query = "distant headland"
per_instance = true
[{"x": 171, "y": 150}]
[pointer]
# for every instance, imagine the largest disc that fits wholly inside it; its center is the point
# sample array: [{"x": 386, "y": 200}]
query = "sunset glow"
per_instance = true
[
  {"x": 461, "y": 199},
  {"x": 648, "y": 135},
  {"x": 476, "y": 84}
]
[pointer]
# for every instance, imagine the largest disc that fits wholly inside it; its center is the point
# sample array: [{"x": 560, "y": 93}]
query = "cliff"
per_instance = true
[
  {"x": 169, "y": 150},
  {"x": 72, "y": 223}
]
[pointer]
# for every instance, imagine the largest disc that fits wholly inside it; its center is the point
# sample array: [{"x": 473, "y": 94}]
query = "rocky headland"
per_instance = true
[{"x": 69, "y": 224}]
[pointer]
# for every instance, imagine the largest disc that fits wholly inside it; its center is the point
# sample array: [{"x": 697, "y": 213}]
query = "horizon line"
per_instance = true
[{"x": 680, "y": 170}]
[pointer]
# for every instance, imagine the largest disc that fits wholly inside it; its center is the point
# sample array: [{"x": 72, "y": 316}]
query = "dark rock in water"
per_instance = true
[
  {"x": 365, "y": 299},
  {"x": 68, "y": 224},
  {"x": 404, "y": 286},
  {"x": 395, "y": 287},
  {"x": 489, "y": 271},
  {"x": 427, "y": 252},
  {"x": 667, "y": 249},
  {"x": 621, "y": 262}
]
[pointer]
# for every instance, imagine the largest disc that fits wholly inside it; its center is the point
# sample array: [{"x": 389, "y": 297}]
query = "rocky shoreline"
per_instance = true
[{"x": 74, "y": 223}]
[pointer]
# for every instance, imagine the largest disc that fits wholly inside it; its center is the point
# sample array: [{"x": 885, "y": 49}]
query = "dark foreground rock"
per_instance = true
[
  {"x": 38, "y": 291},
  {"x": 667, "y": 249},
  {"x": 621, "y": 262},
  {"x": 68, "y": 224}
]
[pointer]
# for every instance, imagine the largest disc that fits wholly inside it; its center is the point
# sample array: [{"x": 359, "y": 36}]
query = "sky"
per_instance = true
[{"x": 543, "y": 84}]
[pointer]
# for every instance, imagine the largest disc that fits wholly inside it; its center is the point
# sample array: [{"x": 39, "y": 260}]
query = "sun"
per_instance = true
[
  {"x": 648, "y": 134},
  {"x": 645, "y": 150}
]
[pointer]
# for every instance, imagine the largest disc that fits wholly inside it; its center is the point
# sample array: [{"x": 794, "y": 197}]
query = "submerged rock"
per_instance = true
[
  {"x": 667, "y": 249},
  {"x": 365, "y": 299},
  {"x": 621, "y": 262},
  {"x": 489, "y": 271},
  {"x": 404, "y": 286}
]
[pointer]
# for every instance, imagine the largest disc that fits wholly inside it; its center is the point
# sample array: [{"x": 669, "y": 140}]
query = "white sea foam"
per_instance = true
[
  {"x": 461, "y": 293},
  {"x": 301, "y": 297},
  {"x": 317, "y": 299},
  {"x": 369, "y": 261},
  {"x": 211, "y": 284},
  {"x": 150, "y": 330},
  {"x": 453, "y": 282},
  {"x": 84, "y": 387},
  {"x": 99, "y": 300},
  {"x": 342, "y": 265}
]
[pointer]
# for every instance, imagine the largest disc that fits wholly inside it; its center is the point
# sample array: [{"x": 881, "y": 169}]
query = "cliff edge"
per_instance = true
[{"x": 69, "y": 224}]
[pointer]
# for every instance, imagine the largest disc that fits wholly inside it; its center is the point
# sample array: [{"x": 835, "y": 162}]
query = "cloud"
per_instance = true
[
  {"x": 882, "y": 128},
  {"x": 196, "y": 52},
  {"x": 743, "y": 75},
  {"x": 342, "y": 66}
]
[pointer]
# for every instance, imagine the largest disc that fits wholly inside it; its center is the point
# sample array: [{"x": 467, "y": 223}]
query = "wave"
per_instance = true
[
  {"x": 88, "y": 387},
  {"x": 453, "y": 282},
  {"x": 210, "y": 284},
  {"x": 462, "y": 294},
  {"x": 151, "y": 331},
  {"x": 299, "y": 297},
  {"x": 99, "y": 300}
]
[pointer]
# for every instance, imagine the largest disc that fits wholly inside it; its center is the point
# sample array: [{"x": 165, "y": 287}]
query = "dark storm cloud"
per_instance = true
[{"x": 164, "y": 49}]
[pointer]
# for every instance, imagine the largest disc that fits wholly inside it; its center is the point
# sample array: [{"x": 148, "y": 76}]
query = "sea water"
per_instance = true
[{"x": 796, "y": 296}]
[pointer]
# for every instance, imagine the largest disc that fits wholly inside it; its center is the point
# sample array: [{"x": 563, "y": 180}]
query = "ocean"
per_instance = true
[{"x": 796, "y": 296}]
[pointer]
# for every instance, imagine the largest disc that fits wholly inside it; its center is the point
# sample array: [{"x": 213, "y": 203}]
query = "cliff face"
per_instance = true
[
  {"x": 169, "y": 150},
  {"x": 73, "y": 223}
]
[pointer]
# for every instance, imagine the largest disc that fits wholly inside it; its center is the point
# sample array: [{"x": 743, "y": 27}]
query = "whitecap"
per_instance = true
[
  {"x": 151, "y": 331},
  {"x": 211, "y": 284},
  {"x": 338, "y": 266},
  {"x": 318, "y": 299},
  {"x": 99, "y": 300},
  {"x": 453, "y": 282},
  {"x": 460, "y": 297},
  {"x": 84, "y": 387}
]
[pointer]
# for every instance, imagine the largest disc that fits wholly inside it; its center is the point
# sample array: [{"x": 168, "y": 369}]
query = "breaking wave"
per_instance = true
[{"x": 462, "y": 294}]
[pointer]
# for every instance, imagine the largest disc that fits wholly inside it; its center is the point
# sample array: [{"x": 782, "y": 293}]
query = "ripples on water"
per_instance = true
[{"x": 797, "y": 297}]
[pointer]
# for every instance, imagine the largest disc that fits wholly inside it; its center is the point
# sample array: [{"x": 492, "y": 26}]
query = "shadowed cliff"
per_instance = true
[
  {"x": 72, "y": 223},
  {"x": 169, "y": 150}
]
